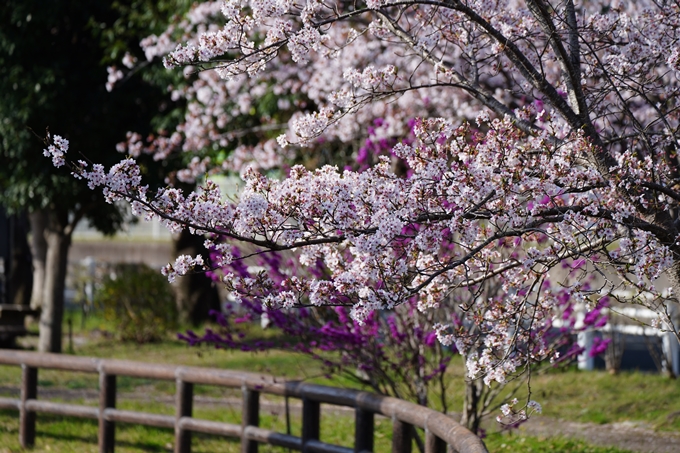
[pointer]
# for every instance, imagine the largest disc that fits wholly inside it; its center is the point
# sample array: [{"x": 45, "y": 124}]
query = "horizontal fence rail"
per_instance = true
[{"x": 440, "y": 430}]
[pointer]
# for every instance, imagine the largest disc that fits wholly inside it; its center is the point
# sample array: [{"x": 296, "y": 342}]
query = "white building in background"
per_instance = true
[
  {"x": 139, "y": 231},
  {"x": 153, "y": 230},
  {"x": 147, "y": 242}
]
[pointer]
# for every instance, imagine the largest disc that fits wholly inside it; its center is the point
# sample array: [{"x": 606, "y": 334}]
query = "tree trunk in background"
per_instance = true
[
  {"x": 670, "y": 342},
  {"x": 195, "y": 294},
  {"x": 38, "y": 223},
  {"x": 472, "y": 406},
  {"x": 21, "y": 272},
  {"x": 58, "y": 239}
]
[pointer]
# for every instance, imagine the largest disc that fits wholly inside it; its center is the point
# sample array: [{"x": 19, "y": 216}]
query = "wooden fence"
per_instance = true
[{"x": 440, "y": 430}]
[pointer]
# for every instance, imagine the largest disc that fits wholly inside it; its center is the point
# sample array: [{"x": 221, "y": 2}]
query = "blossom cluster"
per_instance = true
[
  {"x": 56, "y": 150},
  {"x": 182, "y": 266},
  {"x": 514, "y": 417}
]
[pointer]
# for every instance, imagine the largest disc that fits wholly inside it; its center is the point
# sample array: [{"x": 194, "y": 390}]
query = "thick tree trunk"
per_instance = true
[
  {"x": 21, "y": 273},
  {"x": 58, "y": 239},
  {"x": 195, "y": 293},
  {"x": 38, "y": 223}
]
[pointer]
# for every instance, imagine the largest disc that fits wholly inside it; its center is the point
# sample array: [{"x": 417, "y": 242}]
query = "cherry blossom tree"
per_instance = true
[
  {"x": 245, "y": 115},
  {"x": 546, "y": 134}
]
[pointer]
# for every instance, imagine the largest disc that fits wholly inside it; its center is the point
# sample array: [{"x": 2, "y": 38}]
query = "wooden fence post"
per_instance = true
[
  {"x": 184, "y": 401},
  {"x": 29, "y": 391},
  {"x": 433, "y": 444},
  {"x": 107, "y": 399},
  {"x": 402, "y": 436},
  {"x": 249, "y": 417},
  {"x": 363, "y": 430},
  {"x": 311, "y": 421}
]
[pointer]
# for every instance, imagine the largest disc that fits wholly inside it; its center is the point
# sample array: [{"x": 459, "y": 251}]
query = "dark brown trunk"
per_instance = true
[
  {"x": 38, "y": 224},
  {"x": 56, "y": 261},
  {"x": 21, "y": 272},
  {"x": 472, "y": 406},
  {"x": 195, "y": 293}
]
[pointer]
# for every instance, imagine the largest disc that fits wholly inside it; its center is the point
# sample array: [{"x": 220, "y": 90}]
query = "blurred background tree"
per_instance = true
[{"x": 53, "y": 72}]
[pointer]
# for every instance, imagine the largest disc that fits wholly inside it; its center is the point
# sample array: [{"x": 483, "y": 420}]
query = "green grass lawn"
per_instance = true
[
  {"x": 599, "y": 397},
  {"x": 56, "y": 434},
  {"x": 571, "y": 395},
  {"x": 526, "y": 444}
]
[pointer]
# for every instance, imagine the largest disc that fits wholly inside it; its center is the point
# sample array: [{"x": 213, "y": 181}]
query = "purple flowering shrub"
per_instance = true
[{"x": 393, "y": 352}]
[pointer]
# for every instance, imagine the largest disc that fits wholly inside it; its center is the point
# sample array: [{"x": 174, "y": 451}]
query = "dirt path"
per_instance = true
[{"x": 634, "y": 436}]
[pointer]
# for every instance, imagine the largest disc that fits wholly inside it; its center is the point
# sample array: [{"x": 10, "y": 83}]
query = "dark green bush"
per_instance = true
[{"x": 139, "y": 301}]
